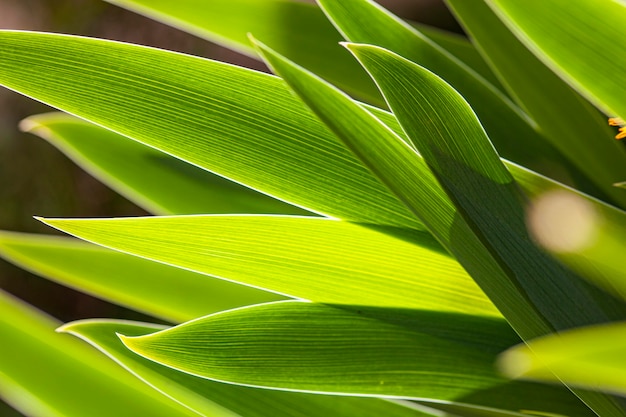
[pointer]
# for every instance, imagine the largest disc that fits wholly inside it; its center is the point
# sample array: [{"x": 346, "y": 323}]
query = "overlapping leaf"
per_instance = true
[
  {"x": 579, "y": 43},
  {"x": 352, "y": 350},
  {"x": 172, "y": 294},
  {"x": 211, "y": 398},
  {"x": 592, "y": 357},
  {"x": 156, "y": 181},
  {"x": 46, "y": 374},
  {"x": 321, "y": 260},
  {"x": 238, "y": 123},
  {"x": 570, "y": 123},
  {"x": 512, "y": 132}
]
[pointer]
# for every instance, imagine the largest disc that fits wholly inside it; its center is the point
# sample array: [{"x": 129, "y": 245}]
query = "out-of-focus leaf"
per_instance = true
[
  {"x": 582, "y": 237},
  {"x": 590, "y": 357},
  {"x": 582, "y": 42},
  {"x": 321, "y": 260},
  {"x": 297, "y": 29},
  {"x": 486, "y": 196},
  {"x": 570, "y": 123},
  {"x": 156, "y": 181},
  {"x": 205, "y": 396},
  {"x": 462, "y": 49},
  {"x": 352, "y": 350},
  {"x": 172, "y": 294},
  {"x": 238, "y": 123},
  {"x": 511, "y": 130},
  {"x": 46, "y": 374}
]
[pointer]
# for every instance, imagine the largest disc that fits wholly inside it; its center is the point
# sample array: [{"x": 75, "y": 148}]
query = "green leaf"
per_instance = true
[
  {"x": 322, "y": 260},
  {"x": 211, "y": 398},
  {"x": 570, "y": 123},
  {"x": 47, "y": 374},
  {"x": 240, "y": 124},
  {"x": 298, "y": 30},
  {"x": 512, "y": 132},
  {"x": 591, "y": 357},
  {"x": 462, "y": 49},
  {"x": 582, "y": 43},
  {"x": 156, "y": 181},
  {"x": 172, "y": 294},
  {"x": 485, "y": 194},
  {"x": 582, "y": 237},
  {"x": 352, "y": 350}
]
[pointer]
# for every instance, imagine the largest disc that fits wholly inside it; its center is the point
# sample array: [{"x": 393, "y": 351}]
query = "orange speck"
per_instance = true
[{"x": 616, "y": 121}]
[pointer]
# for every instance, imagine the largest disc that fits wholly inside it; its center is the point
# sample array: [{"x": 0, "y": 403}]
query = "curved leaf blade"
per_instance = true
[
  {"x": 567, "y": 120},
  {"x": 156, "y": 181},
  {"x": 46, "y": 374},
  {"x": 514, "y": 134},
  {"x": 322, "y": 260},
  {"x": 170, "y": 293},
  {"x": 590, "y": 357},
  {"x": 238, "y": 123},
  {"x": 357, "y": 350},
  {"x": 298, "y": 30},
  {"x": 452, "y": 141},
  {"x": 595, "y": 27},
  {"x": 208, "y": 397}
]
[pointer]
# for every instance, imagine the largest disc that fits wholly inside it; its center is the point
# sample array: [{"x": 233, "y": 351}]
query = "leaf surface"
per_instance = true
[
  {"x": 47, "y": 374},
  {"x": 238, "y": 123},
  {"x": 513, "y": 133},
  {"x": 590, "y": 357},
  {"x": 298, "y": 30},
  {"x": 156, "y": 181},
  {"x": 352, "y": 350},
  {"x": 205, "y": 396},
  {"x": 322, "y": 260},
  {"x": 595, "y": 66},
  {"x": 566, "y": 119},
  {"x": 486, "y": 196},
  {"x": 172, "y": 294}
]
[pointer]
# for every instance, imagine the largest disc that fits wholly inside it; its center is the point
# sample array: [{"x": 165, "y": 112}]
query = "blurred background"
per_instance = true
[{"x": 36, "y": 179}]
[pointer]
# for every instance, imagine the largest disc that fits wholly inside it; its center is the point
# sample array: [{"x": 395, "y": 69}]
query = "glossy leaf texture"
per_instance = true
[
  {"x": 238, "y": 123},
  {"x": 357, "y": 350},
  {"x": 590, "y": 357},
  {"x": 594, "y": 66},
  {"x": 512, "y": 132},
  {"x": 172, "y": 294},
  {"x": 321, "y": 260},
  {"x": 156, "y": 181},
  {"x": 298, "y": 30},
  {"x": 213, "y": 398},
  {"x": 392, "y": 160},
  {"x": 566, "y": 119},
  {"x": 486, "y": 196},
  {"x": 47, "y": 374}
]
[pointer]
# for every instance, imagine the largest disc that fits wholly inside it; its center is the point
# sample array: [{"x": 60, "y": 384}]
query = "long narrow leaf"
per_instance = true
[
  {"x": 401, "y": 169},
  {"x": 45, "y": 374},
  {"x": 566, "y": 119},
  {"x": 205, "y": 396},
  {"x": 595, "y": 28},
  {"x": 451, "y": 140},
  {"x": 355, "y": 350},
  {"x": 322, "y": 260},
  {"x": 592, "y": 357},
  {"x": 156, "y": 181},
  {"x": 297, "y": 29},
  {"x": 514, "y": 135},
  {"x": 170, "y": 293},
  {"x": 241, "y": 124}
]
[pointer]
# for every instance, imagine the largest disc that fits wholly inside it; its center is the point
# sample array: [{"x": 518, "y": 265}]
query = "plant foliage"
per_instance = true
[{"x": 362, "y": 234}]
